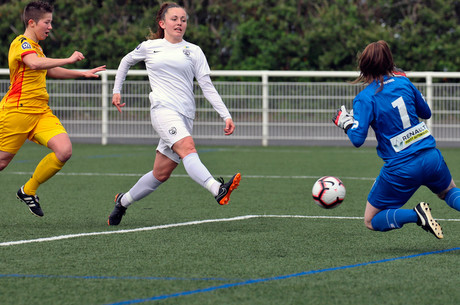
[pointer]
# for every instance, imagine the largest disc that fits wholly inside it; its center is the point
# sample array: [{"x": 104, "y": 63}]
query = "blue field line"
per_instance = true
[
  {"x": 275, "y": 278},
  {"x": 97, "y": 277}
]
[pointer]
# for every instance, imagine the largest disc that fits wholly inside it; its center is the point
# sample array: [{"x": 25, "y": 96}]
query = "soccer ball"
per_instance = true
[{"x": 328, "y": 192}]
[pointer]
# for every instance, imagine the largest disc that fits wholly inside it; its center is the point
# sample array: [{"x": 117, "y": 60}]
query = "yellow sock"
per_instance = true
[{"x": 46, "y": 169}]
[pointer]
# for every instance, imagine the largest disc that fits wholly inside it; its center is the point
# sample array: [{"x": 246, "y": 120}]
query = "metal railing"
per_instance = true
[{"x": 280, "y": 107}]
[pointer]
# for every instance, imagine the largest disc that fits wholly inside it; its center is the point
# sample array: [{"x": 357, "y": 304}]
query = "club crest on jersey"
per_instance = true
[
  {"x": 25, "y": 45},
  {"x": 186, "y": 51},
  {"x": 173, "y": 130}
]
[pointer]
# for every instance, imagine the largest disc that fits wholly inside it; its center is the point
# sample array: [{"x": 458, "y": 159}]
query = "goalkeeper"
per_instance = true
[{"x": 392, "y": 106}]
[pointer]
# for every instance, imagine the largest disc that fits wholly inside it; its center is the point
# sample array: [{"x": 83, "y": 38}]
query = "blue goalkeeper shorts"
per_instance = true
[{"x": 394, "y": 187}]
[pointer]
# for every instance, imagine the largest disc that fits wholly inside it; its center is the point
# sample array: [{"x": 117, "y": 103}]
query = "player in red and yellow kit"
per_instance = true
[{"x": 24, "y": 110}]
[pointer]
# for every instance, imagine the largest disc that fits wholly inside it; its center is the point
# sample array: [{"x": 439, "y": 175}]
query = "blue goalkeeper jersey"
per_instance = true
[{"x": 393, "y": 114}]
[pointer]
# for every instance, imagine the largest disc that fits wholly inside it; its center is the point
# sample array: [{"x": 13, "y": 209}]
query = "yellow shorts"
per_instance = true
[{"x": 16, "y": 127}]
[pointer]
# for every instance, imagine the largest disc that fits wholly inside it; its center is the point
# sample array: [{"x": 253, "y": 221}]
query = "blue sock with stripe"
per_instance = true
[
  {"x": 453, "y": 198},
  {"x": 393, "y": 219}
]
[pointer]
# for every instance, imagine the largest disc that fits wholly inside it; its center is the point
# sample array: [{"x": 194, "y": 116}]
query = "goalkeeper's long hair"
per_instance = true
[
  {"x": 160, "y": 33},
  {"x": 375, "y": 62}
]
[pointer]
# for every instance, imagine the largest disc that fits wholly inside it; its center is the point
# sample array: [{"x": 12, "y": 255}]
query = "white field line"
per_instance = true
[
  {"x": 175, "y": 225},
  {"x": 186, "y": 176}
]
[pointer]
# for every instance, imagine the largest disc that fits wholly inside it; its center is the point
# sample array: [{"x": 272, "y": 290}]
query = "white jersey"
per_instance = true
[{"x": 171, "y": 70}]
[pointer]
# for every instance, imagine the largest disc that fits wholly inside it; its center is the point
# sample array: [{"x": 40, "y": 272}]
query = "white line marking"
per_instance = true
[
  {"x": 19, "y": 242},
  {"x": 187, "y": 176},
  {"x": 175, "y": 225}
]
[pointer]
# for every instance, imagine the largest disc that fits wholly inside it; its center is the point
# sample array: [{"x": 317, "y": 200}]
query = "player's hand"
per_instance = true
[
  {"x": 116, "y": 101},
  {"x": 76, "y": 56},
  {"x": 229, "y": 127},
  {"x": 343, "y": 118},
  {"x": 92, "y": 72}
]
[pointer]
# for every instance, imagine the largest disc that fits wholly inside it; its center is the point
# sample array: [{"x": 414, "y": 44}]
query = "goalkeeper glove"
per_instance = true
[
  {"x": 399, "y": 72},
  {"x": 343, "y": 118}
]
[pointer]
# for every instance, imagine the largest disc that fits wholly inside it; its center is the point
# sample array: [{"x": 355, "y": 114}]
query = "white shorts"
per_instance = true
[{"x": 171, "y": 126}]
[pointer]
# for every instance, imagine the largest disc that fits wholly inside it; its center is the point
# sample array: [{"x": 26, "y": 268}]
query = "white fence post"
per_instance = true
[
  {"x": 265, "y": 109},
  {"x": 105, "y": 108},
  {"x": 429, "y": 97}
]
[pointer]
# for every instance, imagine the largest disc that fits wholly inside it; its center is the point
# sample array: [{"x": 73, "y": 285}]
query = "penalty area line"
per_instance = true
[{"x": 174, "y": 225}]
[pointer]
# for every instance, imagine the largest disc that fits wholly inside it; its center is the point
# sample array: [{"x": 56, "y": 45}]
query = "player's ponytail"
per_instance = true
[{"x": 160, "y": 33}]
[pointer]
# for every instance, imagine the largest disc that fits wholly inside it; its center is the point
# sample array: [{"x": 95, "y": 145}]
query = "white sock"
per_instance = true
[
  {"x": 199, "y": 173},
  {"x": 143, "y": 187},
  {"x": 126, "y": 200},
  {"x": 213, "y": 186}
]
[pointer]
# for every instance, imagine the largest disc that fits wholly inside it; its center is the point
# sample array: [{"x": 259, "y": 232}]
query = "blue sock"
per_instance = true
[
  {"x": 453, "y": 198},
  {"x": 393, "y": 219}
]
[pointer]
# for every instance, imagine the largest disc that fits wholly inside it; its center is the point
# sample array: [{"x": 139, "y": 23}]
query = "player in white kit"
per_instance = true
[{"x": 172, "y": 65}]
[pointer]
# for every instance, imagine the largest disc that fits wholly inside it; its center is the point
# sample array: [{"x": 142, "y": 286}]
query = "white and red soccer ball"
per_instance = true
[{"x": 328, "y": 192}]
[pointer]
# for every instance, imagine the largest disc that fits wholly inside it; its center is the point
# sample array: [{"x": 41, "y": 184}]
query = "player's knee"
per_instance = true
[
  {"x": 64, "y": 154},
  {"x": 368, "y": 224},
  {"x": 64, "y": 157},
  {"x": 162, "y": 173},
  {"x": 442, "y": 195},
  {"x": 67, "y": 156},
  {"x": 162, "y": 177},
  {"x": 3, "y": 164},
  {"x": 184, "y": 147}
]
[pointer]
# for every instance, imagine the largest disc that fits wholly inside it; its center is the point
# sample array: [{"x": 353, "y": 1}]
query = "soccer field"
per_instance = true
[{"x": 271, "y": 245}]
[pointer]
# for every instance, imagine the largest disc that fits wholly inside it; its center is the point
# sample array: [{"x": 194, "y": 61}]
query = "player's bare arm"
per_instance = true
[
  {"x": 42, "y": 63},
  {"x": 63, "y": 73}
]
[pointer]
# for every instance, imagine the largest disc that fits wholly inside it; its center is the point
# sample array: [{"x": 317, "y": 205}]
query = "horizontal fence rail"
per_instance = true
[{"x": 280, "y": 107}]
